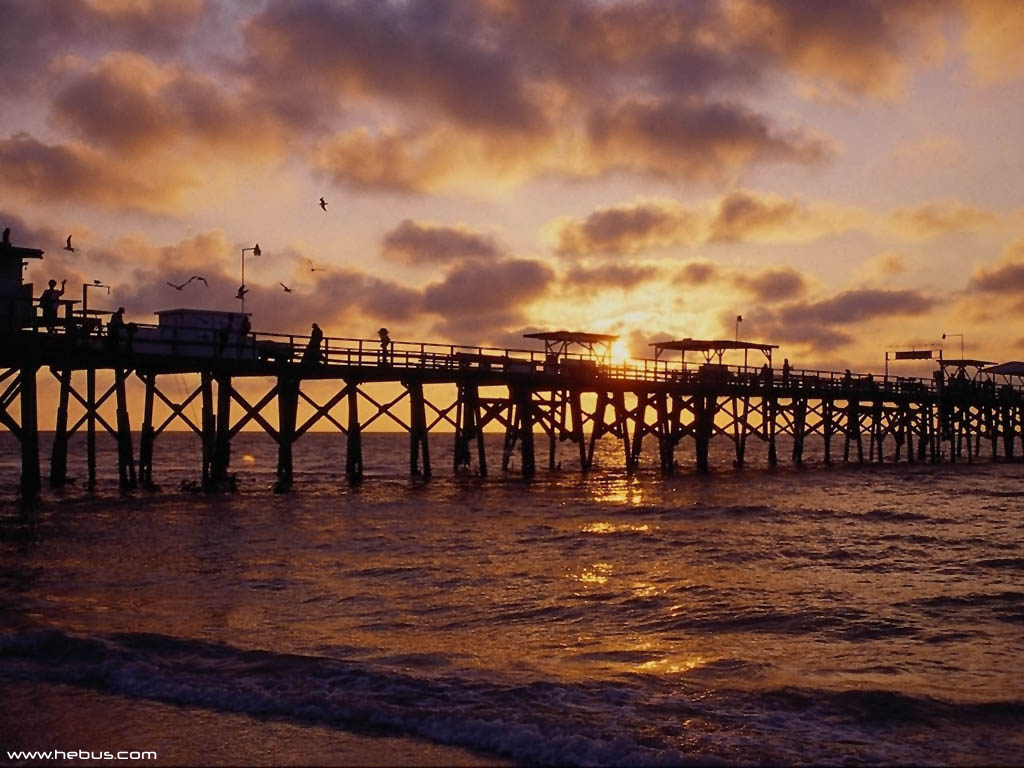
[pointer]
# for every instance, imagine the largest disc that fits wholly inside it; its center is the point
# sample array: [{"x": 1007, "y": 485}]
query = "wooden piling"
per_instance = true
[
  {"x": 31, "y": 481},
  {"x": 418, "y": 446},
  {"x": 354, "y": 449},
  {"x": 147, "y": 437},
  {"x": 59, "y": 454},
  {"x": 125, "y": 454}
]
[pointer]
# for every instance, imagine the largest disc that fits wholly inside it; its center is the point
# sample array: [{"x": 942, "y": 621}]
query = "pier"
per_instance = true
[{"x": 680, "y": 398}]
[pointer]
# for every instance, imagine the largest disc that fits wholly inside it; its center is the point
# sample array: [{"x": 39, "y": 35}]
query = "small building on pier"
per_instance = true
[{"x": 16, "y": 309}]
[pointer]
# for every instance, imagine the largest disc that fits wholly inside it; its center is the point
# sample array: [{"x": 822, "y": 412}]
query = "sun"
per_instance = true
[{"x": 618, "y": 352}]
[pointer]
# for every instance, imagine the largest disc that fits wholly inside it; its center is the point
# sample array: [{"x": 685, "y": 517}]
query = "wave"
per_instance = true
[
  {"x": 542, "y": 722},
  {"x": 639, "y": 720}
]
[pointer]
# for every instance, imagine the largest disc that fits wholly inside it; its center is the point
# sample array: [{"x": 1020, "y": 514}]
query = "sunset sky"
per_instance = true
[{"x": 845, "y": 175}]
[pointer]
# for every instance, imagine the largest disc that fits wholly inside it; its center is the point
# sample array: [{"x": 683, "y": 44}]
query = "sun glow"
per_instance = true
[{"x": 618, "y": 352}]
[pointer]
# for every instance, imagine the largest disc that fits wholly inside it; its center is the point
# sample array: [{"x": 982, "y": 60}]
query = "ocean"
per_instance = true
[{"x": 852, "y": 615}]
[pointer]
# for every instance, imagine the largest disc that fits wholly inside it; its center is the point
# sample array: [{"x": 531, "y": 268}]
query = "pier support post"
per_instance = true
[
  {"x": 287, "y": 409},
  {"x": 354, "y": 449},
  {"x": 705, "y": 406},
  {"x": 90, "y": 427},
  {"x": 828, "y": 426},
  {"x": 467, "y": 428},
  {"x": 125, "y": 453},
  {"x": 418, "y": 446},
  {"x": 222, "y": 438},
  {"x": 147, "y": 436},
  {"x": 522, "y": 397},
  {"x": 770, "y": 407},
  {"x": 576, "y": 413},
  {"x": 207, "y": 426},
  {"x": 30, "y": 475},
  {"x": 59, "y": 454},
  {"x": 799, "y": 430}
]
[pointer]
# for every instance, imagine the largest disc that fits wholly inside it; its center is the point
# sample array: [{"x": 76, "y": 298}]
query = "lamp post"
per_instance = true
[
  {"x": 961, "y": 342},
  {"x": 739, "y": 319},
  {"x": 241, "y": 290}
]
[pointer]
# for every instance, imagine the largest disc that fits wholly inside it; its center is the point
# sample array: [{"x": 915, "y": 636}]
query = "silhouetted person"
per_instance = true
[
  {"x": 385, "y": 346},
  {"x": 847, "y": 378},
  {"x": 115, "y": 328},
  {"x": 7, "y": 238},
  {"x": 314, "y": 353},
  {"x": 785, "y": 372},
  {"x": 766, "y": 374},
  {"x": 50, "y": 302}
]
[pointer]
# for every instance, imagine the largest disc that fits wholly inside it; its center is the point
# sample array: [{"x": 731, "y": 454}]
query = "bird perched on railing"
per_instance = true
[
  {"x": 242, "y": 290},
  {"x": 194, "y": 277}
]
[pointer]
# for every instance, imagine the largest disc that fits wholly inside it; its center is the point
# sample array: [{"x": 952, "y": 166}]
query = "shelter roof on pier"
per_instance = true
[
  {"x": 713, "y": 348},
  {"x": 558, "y": 342},
  {"x": 950, "y": 363},
  {"x": 1012, "y": 368}
]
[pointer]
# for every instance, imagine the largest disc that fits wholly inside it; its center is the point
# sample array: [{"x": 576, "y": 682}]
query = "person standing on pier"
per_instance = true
[
  {"x": 50, "y": 302},
  {"x": 385, "y": 346},
  {"x": 115, "y": 327},
  {"x": 785, "y": 372},
  {"x": 313, "y": 354}
]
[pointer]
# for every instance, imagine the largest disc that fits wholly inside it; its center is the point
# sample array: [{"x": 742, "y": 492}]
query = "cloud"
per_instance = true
[
  {"x": 626, "y": 229},
  {"x": 942, "y": 217},
  {"x": 478, "y": 299},
  {"x": 423, "y": 243},
  {"x": 994, "y": 39},
  {"x": 74, "y": 172},
  {"x": 41, "y": 26},
  {"x": 696, "y": 140},
  {"x": 698, "y": 273},
  {"x": 590, "y": 280},
  {"x": 1004, "y": 277},
  {"x": 748, "y": 216},
  {"x": 772, "y": 285},
  {"x": 434, "y": 56}
]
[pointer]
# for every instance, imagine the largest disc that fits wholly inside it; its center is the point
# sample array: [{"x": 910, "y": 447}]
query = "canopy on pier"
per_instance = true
[
  {"x": 1012, "y": 368},
  {"x": 713, "y": 348},
  {"x": 960, "y": 367},
  {"x": 558, "y": 342}
]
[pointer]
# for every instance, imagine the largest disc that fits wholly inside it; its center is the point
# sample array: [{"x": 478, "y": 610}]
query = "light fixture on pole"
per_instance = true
[
  {"x": 241, "y": 289},
  {"x": 739, "y": 319},
  {"x": 961, "y": 342}
]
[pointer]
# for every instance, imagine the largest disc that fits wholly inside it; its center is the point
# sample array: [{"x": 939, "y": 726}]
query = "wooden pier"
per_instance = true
[
  {"x": 533, "y": 396},
  {"x": 571, "y": 390}
]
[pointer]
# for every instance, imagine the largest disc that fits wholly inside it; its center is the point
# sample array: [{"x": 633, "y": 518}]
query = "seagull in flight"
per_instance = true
[
  {"x": 68, "y": 246},
  {"x": 312, "y": 267},
  {"x": 323, "y": 203},
  {"x": 242, "y": 290},
  {"x": 286, "y": 288},
  {"x": 194, "y": 277}
]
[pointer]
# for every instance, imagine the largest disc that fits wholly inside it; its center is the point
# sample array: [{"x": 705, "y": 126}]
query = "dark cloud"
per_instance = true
[
  {"x": 34, "y": 30},
  {"x": 695, "y": 140},
  {"x": 741, "y": 214},
  {"x": 773, "y": 285},
  {"x": 476, "y": 287},
  {"x": 128, "y": 104},
  {"x": 420, "y": 243},
  {"x": 697, "y": 273},
  {"x": 860, "y": 305},
  {"x": 626, "y": 229},
  {"x": 436, "y": 56},
  {"x": 56, "y": 172},
  {"x": 589, "y": 280}
]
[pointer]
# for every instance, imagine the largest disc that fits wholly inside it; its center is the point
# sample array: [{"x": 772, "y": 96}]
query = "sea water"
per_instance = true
[{"x": 808, "y": 615}]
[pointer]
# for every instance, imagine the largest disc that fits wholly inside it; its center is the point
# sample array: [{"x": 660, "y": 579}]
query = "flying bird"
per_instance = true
[
  {"x": 68, "y": 246},
  {"x": 286, "y": 288},
  {"x": 242, "y": 290},
  {"x": 194, "y": 277},
  {"x": 323, "y": 203},
  {"x": 312, "y": 267}
]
